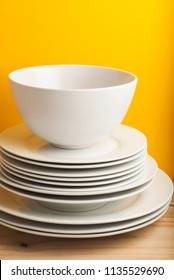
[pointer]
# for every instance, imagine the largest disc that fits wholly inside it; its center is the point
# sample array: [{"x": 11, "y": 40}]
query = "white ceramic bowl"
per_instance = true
[{"x": 72, "y": 106}]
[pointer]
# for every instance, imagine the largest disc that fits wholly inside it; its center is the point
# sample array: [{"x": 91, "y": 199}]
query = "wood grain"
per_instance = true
[{"x": 153, "y": 242}]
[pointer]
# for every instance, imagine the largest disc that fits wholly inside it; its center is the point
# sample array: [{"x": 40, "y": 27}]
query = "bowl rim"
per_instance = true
[{"x": 12, "y": 79}]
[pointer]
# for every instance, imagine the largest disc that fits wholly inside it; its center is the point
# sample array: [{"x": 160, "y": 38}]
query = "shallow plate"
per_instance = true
[
  {"x": 23, "y": 179},
  {"x": 94, "y": 235},
  {"x": 75, "y": 173},
  {"x": 124, "y": 142},
  {"x": 148, "y": 201},
  {"x": 76, "y": 229},
  {"x": 74, "y": 166},
  {"x": 151, "y": 169},
  {"x": 139, "y": 164}
]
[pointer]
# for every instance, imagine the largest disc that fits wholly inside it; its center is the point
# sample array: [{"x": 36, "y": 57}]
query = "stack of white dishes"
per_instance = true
[{"x": 62, "y": 189}]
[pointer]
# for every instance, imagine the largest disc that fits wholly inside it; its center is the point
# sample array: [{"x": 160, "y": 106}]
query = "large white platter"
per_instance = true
[
  {"x": 148, "y": 201},
  {"x": 124, "y": 142},
  {"x": 78, "y": 229},
  {"x": 92, "y": 235}
]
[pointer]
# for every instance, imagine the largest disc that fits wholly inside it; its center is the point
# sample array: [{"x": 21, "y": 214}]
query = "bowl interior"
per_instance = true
[{"x": 71, "y": 77}]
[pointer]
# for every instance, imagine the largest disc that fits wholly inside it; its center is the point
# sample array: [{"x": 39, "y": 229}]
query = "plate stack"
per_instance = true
[{"x": 62, "y": 189}]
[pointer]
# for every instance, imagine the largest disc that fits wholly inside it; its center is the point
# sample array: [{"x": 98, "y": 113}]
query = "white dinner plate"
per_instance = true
[
  {"x": 92, "y": 235},
  {"x": 22, "y": 179},
  {"x": 75, "y": 165},
  {"x": 18, "y": 171},
  {"x": 78, "y": 229},
  {"x": 75, "y": 173},
  {"x": 151, "y": 170},
  {"x": 148, "y": 201},
  {"x": 124, "y": 142}
]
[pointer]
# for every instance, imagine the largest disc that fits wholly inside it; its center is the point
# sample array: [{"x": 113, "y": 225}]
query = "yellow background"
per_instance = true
[{"x": 133, "y": 35}]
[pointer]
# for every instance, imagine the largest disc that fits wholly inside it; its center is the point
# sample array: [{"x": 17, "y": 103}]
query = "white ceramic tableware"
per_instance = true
[
  {"x": 120, "y": 146},
  {"x": 36, "y": 163},
  {"x": 17, "y": 177},
  {"x": 78, "y": 229},
  {"x": 91, "y": 235},
  {"x": 150, "y": 200},
  {"x": 137, "y": 181},
  {"x": 73, "y": 106},
  {"x": 76, "y": 173},
  {"x": 45, "y": 176},
  {"x": 75, "y": 203}
]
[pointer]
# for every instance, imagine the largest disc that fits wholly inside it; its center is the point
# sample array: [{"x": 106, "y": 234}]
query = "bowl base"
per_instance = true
[{"x": 71, "y": 147}]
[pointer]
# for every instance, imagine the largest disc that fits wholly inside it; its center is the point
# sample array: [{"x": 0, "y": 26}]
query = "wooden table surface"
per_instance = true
[{"x": 153, "y": 242}]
